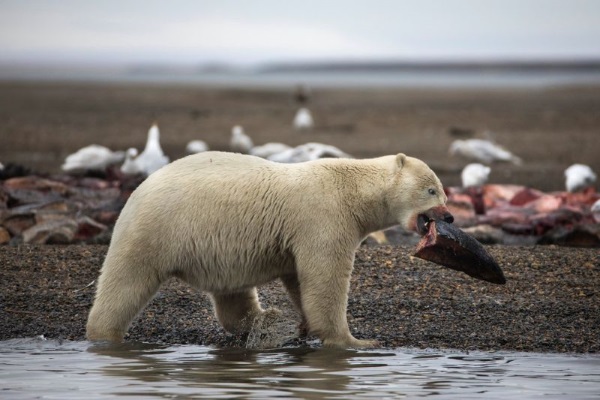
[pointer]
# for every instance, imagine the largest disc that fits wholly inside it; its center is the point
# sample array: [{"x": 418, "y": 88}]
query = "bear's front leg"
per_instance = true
[{"x": 324, "y": 284}]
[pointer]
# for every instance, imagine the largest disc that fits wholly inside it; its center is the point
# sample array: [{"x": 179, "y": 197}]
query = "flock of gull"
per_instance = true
[
  {"x": 483, "y": 152},
  {"x": 98, "y": 158},
  {"x": 578, "y": 177},
  {"x": 503, "y": 208}
]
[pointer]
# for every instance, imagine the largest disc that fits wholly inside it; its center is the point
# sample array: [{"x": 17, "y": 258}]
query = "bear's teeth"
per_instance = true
[{"x": 423, "y": 224}]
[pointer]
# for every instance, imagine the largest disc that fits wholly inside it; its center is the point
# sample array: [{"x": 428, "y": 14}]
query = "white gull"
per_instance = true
[
  {"x": 149, "y": 160},
  {"x": 482, "y": 151},
  {"x": 240, "y": 142},
  {"x": 578, "y": 177},
  {"x": 308, "y": 152},
  {"x": 303, "y": 119},
  {"x": 92, "y": 158},
  {"x": 475, "y": 174}
]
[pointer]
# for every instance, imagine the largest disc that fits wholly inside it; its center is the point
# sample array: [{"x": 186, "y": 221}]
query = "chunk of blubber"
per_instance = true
[{"x": 447, "y": 245}]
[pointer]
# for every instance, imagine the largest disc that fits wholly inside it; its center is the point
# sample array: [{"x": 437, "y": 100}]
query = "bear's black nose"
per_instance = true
[{"x": 448, "y": 218}]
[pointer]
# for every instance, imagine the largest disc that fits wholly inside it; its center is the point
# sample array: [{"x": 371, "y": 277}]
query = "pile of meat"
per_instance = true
[
  {"x": 61, "y": 209},
  {"x": 67, "y": 209},
  {"x": 512, "y": 214}
]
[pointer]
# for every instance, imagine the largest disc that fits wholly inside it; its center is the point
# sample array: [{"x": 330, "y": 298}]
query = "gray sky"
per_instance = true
[{"x": 273, "y": 30}]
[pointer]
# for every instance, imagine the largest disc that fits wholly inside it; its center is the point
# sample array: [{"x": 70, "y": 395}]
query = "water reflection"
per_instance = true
[
  {"x": 31, "y": 368},
  {"x": 281, "y": 372}
]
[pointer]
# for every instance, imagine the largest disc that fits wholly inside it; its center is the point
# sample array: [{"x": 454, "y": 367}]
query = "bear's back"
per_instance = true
[
  {"x": 219, "y": 162},
  {"x": 212, "y": 188},
  {"x": 213, "y": 211},
  {"x": 226, "y": 170}
]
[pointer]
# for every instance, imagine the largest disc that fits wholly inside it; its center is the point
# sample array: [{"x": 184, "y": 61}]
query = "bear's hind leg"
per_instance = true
[
  {"x": 120, "y": 296},
  {"x": 293, "y": 288},
  {"x": 237, "y": 311}
]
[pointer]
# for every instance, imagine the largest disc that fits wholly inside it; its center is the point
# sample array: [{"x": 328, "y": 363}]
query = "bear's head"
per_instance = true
[{"x": 417, "y": 195}]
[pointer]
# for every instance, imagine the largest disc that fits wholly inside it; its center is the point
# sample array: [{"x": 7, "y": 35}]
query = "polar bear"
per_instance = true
[{"x": 227, "y": 223}]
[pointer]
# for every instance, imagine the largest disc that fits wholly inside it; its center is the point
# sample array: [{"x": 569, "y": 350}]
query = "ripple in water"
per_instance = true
[{"x": 32, "y": 368}]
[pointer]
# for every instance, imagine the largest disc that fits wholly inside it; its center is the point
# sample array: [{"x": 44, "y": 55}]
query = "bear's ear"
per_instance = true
[{"x": 400, "y": 160}]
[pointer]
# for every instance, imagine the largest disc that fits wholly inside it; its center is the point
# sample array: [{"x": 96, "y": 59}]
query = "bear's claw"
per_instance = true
[{"x": 351, "y": 343}]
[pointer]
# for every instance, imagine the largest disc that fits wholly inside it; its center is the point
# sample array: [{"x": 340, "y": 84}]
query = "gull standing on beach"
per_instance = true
[
  {"x": 484, "y": 151},
  {"x": 268, "y": 149},
  {"x": 149, "y": 160},
  {"x": 196, "y": 146},
  {"x": 129, "y": 166},
  {"x": 92, "y": 158},
  {"x": 308, "y": 152},
  {"x": 240, "y": 142},
  {"x": 475, "y": 174},
  {"x": 579, "y": 177},
  {"x": 302, "y": 94},
  {"x": 303, "y": 119}
]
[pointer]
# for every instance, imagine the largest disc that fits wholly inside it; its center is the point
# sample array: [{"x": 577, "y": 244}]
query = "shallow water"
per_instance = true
[{"x": 36, "y": 368}]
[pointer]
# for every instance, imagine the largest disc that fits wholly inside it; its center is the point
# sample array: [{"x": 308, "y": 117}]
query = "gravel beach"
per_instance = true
[{"x": 551, "y": 301}]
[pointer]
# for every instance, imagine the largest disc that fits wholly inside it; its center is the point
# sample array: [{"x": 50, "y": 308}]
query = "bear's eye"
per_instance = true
[{"x": 432, "y": 192}]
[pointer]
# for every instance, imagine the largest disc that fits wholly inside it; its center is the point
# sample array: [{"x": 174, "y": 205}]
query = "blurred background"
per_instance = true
[
  {"x": 379, "y": 77},
  {"x": 272, "y": 42},
  {"x": 513, "y": 85}
]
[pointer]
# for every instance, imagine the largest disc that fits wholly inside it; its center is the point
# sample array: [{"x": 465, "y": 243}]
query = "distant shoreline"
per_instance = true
[
  {"x": 466, "y": 66},
  {"x": 335, "y": 74}
]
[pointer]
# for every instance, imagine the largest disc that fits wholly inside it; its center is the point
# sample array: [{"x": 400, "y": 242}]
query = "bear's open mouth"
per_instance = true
[{"x": 423, "y": 224}]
